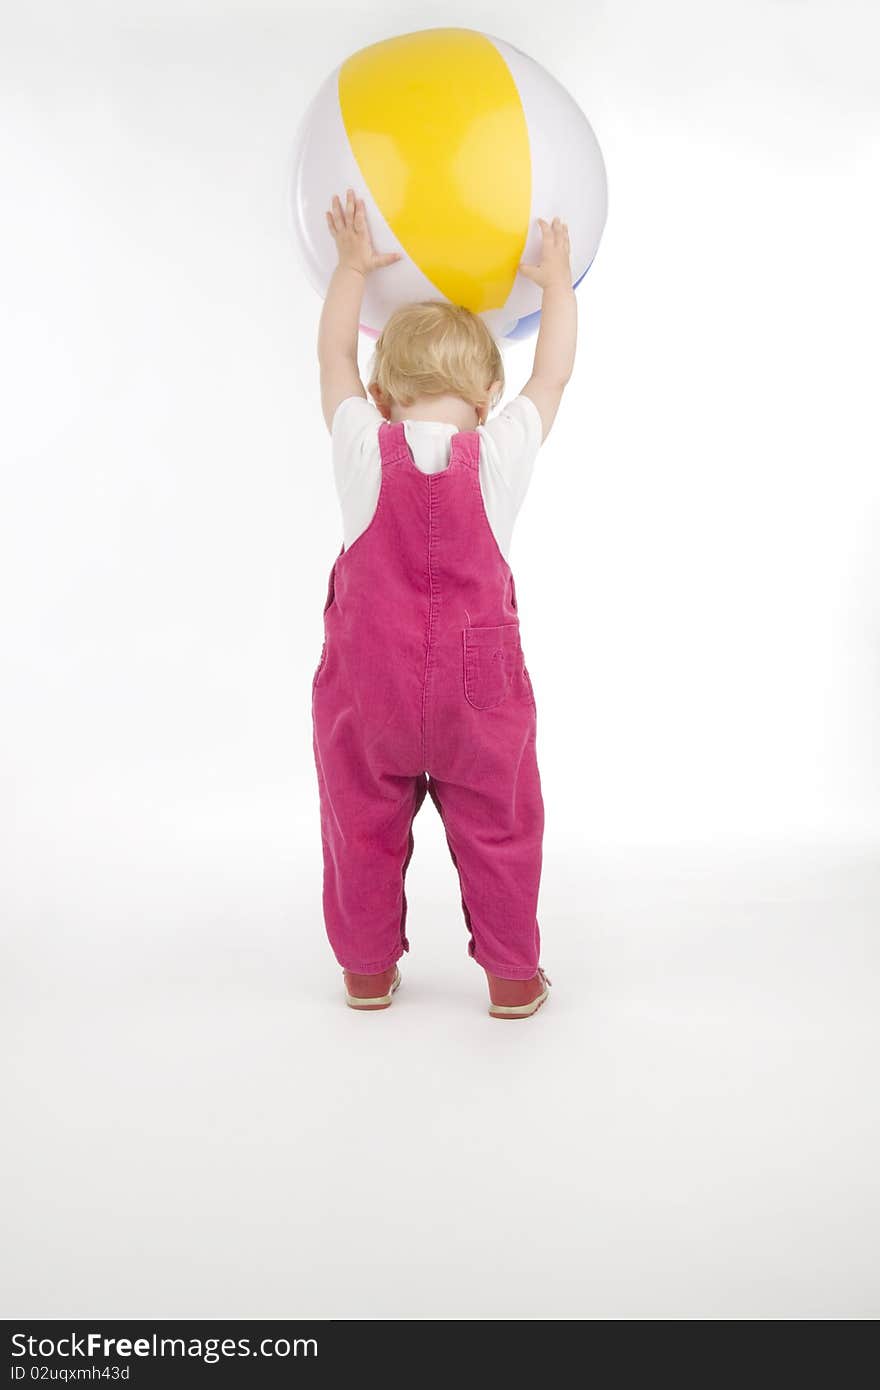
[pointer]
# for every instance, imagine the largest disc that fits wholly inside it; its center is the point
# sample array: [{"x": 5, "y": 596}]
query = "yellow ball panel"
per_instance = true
[{"x": 436, "y": 125}]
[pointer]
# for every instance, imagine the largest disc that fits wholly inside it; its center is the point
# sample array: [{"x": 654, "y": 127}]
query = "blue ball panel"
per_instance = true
[{"x": 528, "y": 324}]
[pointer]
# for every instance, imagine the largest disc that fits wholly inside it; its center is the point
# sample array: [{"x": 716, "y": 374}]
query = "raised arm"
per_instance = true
[
  {"x": 557, "y": 336},
  {"x": 340, "y": 317}
]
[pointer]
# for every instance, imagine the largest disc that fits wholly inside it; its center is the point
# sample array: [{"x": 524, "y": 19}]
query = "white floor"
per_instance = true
[{"x": 198, "y": 1127}]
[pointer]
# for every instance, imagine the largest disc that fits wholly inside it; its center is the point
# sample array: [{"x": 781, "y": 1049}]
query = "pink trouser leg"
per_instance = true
[
  {"x": 494, "y": 829},
  {"x": 367, "y": 839}
]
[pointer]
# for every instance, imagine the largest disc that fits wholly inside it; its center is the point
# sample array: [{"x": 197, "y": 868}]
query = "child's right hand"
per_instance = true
[{"x": 555, "y": 266}]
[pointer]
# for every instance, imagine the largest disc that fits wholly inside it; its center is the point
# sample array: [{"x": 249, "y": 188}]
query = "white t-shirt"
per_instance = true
[{"x": 509, "y": 444}]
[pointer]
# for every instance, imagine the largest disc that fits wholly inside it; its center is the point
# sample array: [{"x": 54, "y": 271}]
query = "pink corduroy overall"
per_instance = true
[{"x": 422, "y": 686}]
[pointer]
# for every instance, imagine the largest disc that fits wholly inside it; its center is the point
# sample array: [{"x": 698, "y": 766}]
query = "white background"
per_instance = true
[{"x": 688, "y": 1130}]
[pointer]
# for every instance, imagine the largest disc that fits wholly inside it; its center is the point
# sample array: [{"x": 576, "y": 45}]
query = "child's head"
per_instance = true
[{"x": 433, "y": 348}]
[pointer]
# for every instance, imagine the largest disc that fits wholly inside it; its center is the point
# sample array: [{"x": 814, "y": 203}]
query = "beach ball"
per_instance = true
[{"x": 457, "y": 142}]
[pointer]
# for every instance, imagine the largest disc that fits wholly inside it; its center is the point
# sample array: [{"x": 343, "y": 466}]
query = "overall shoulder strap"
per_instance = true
[
  {"x": 467, "y": 442},
  {"x": 392, "y": 441}
]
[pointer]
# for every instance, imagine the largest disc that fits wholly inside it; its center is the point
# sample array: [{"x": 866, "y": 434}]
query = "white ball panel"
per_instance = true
[
  {"x": 568, "y": 173},
  {"x": 323, "y": 164}
]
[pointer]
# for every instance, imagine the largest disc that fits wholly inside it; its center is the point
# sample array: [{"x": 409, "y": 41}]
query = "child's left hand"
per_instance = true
[{"x": 348, "y": 227}]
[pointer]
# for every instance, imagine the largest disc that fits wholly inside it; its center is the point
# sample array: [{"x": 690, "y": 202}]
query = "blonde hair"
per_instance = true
[{"x": 432, "y": 348}]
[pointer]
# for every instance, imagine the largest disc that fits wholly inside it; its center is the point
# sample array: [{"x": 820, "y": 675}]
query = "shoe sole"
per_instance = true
[
  {"x": 379, "y": 1001},
  {"x": 513, "y": 1011}
]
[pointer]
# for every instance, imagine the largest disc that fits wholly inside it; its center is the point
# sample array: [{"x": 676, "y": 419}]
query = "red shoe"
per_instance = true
[
  {"x": 370, "y": 992},
  {"x": 517, "y": 998}
]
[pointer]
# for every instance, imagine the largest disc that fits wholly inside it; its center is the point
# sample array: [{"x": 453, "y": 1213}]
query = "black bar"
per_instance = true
[{"x": 142, "y": 1353}]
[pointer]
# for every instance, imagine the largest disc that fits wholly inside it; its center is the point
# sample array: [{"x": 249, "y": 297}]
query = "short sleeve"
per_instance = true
[
  {"x": 354, "y": 436},
  {"x": 515, "y": 434}
]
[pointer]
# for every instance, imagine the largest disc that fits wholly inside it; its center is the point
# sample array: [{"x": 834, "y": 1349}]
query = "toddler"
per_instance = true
[{"x": 422, "y": 686}]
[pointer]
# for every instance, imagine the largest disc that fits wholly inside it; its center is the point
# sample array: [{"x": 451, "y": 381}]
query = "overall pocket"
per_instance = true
[{"x": 492, "y": 656}]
